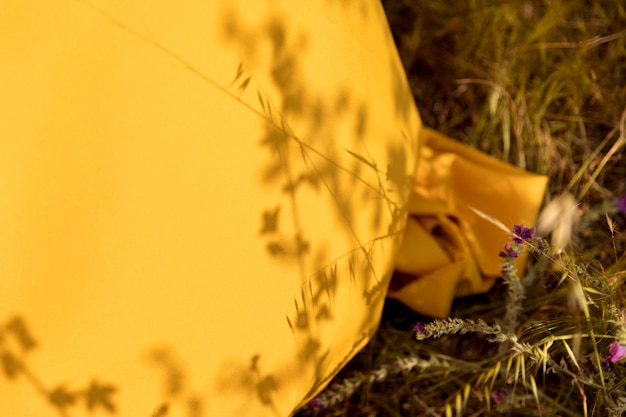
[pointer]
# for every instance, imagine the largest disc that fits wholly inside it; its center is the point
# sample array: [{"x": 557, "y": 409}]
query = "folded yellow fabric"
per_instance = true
[
  {"x": 203, "y": 202},
  {"x": 449, "y": 250}
]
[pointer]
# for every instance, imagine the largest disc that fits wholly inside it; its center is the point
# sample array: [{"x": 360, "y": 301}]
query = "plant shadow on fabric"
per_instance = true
[
  {"x": 307, "y": 163},
  {"x": 174, "y": 382},
  {"x": 17, "y": 342}
]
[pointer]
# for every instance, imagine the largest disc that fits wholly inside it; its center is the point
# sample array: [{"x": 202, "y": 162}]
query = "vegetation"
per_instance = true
[{"x": 540, "y": 84}]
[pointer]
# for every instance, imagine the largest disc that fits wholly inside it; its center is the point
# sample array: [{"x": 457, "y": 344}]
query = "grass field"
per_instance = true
[{"x": 542, "y": 85}]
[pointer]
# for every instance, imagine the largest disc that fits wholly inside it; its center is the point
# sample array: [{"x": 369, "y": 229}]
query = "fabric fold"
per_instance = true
[{"x": 449, "y": 250}]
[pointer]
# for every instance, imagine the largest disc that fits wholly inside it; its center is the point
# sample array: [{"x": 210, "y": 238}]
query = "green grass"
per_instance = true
[{"x": 543, "y": 86}]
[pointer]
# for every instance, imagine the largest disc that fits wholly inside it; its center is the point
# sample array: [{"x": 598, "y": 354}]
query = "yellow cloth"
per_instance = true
[
  {"x": 449, "y": 250},
  {"x": 203, "y": 202}
]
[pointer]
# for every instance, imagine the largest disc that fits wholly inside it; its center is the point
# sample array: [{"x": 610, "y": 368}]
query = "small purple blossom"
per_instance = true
[
  {"x": 509, "y": 252},
  {"x": 605, "y": 366},
  {"x": 523, "y": 234},
  {"x": 420, "y": 329},
  {"x": 499, "y": 395},
  {"x": 317, "y": 404},
  {"x": 617, "y": 352},
  {"x": 540, "y": 246},
  {"x": 621, "y": 204},
  {"x": 507, "y": 267}
]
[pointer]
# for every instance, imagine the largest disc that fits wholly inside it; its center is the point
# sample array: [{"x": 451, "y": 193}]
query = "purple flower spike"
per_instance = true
[
  {"x": 509, "y": 252},
  {"x": 617, "y": 352},
  {"x": 621, "y": 204},
  {"x": 523, "y": 234}
]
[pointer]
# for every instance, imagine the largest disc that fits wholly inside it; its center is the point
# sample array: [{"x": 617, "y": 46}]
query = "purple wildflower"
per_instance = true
[
  {"x": 509, "y": 252},
  {"x": 605, "y": 365},
  {"x": 621, "y": 204},
  {"x": 617, "y": 352},
  {"x": 540, "y": 246},
  {"x": 499, "y": 395},
  {"x": 317, "y": 404},
  {"x": 507, "y": 267},
  {"x": 420, "y": 329},
  {"x": 523, "y": 234}
]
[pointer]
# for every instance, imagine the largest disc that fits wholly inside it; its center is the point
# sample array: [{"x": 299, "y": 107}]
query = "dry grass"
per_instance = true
[{"x": 543, "y": 86}]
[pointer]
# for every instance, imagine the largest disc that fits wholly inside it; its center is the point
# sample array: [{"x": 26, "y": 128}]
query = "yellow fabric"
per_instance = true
[
  {"x": 449, "y": 250},
  {"x": 203, "y": 203}
]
